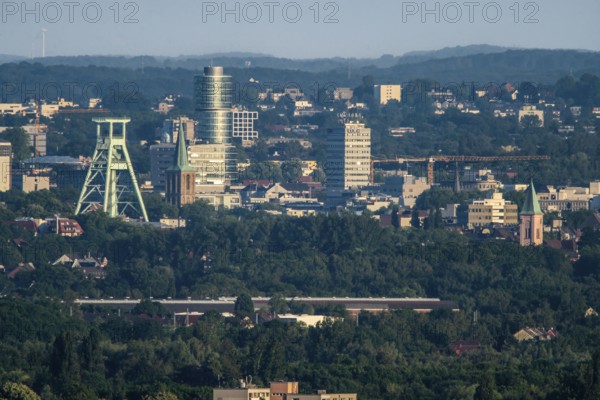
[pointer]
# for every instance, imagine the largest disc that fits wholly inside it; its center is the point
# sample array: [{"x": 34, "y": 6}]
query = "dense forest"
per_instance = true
[{"x": 61, "y": 351}]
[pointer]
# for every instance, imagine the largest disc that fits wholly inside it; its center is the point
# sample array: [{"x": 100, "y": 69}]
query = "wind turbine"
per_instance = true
[{"x": 44, "y": 43}]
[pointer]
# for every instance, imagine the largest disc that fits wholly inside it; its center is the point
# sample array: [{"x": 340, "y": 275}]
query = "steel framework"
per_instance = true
[{"x": 110, "y": 182}]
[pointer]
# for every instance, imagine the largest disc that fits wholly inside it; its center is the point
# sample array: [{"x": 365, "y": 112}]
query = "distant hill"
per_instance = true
[
  {"x": 544, "y": 66},
  {"x": 448, "y": 52},
  {"x": 6, "y": 58},
  {"x": 157, "y": 77},
  {"x": 242, "y": 60}
]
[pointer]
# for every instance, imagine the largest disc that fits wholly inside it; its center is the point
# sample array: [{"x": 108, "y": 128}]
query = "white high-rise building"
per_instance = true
[
  {"x": 5, "y": 166},
  {"x": 242, "y": 124},
  {"x": 384, "y": 93},
  {"x": 348, "y": 158}
]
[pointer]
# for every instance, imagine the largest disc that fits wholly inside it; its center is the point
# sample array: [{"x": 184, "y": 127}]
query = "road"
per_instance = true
[{"x": 225, "y": 304}]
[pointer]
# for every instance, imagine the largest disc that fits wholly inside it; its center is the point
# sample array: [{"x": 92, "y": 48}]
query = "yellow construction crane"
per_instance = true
[{"x": 442, "y": 158}]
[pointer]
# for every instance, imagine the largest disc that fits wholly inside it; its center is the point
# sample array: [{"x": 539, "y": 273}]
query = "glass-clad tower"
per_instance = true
[{"x": 212, "y": 92}]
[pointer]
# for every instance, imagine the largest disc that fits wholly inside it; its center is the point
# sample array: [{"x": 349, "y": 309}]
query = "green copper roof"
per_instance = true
[
  {"x": 532, "y": 205},
  {"x": 181, "y": 159}
]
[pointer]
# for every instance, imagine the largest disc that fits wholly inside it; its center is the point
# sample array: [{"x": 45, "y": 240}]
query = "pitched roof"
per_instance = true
[
  {"x": 531, "y": 205},
  {"x": 181, "y": 159}
]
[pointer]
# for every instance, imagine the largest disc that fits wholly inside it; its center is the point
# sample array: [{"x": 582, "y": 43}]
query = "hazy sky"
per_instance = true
[{"x": 348, "y": 28}]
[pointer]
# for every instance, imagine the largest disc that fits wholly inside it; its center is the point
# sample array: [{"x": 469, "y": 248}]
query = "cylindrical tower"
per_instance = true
[
  {"x": 212, "y": 92},
  {"x": 213, "y": 105}
]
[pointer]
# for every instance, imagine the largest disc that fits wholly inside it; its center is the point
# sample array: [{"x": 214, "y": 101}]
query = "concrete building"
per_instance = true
[
  {"x": 323, "y": 395},
  {"x": 242, "y": 394},
  {"x": 568, "y": 198},
  {"x": 12, "y": 109},
  {"x": 385, "y": 93},
  {"x": 161, "y": 158},
  {"x": 37, "y": 136},
  {"x": 32, "y": 182},
  {"x": 532, "y": 220},
  {"x": 282, "y": 390},
  {"x": 5, "y": 166},
  {"x": 170, "y": 129},
  {"x": 406, "y": 187},
  {"x": 531, "y": 111},
  {"x": 277, "y": 391},
  {"x": 348, "y": 158},
  {"x": 209, "y": 161},
  {"x": 49, "y": 110},
  {"x": 343, "y": 93},
  {"x": 492, "y": 210},
  {"x": 220, "y": 200},
  {"x": 213, "y": 91}
]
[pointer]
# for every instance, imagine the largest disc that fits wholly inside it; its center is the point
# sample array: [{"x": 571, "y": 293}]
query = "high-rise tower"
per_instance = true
[
  {"x": 532, "y": 220},
  {"x": 180, "y": 177},
  {"x": 213, "y": 92},
  {"x": 348, "y": 158},
  {"x": 110, "y": 182}
]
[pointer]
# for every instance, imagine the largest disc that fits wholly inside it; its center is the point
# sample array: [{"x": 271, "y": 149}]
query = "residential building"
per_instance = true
[
  {"x": 302, "y": 209},
  {"x": 90, "y": 266},
  {"x": 220, "y": 200},
  {"x": 37, "y": 136},
  {"x": 385, "y": 93},
  {"x": 94, "y": 102},
  {"x": 5, "y": 166},
  {"x": 531, "y": 111},
  {"x": 49, "y": 110},
  {"x": 535, "y": 334},
  {"x": 277, "y": 391},
  {"x": 532, "y": 220},
  {"x": 282, "y": 390},
  {"x": 323, "y": 395},
  {"x": 305, "y": 319},
  {"x": 12, "y": 109},
  {"x": 246, "y": 393},
  {"x": 161, "y": 158},
  {"x": 180, "y": 177},
  {"x": 343, "y": 93},
  {"x": 348, "y": 158},
  {"x": 213, "y": 91},
  {"x": 406, "y": 187},
  {"x": 61, "y": 226},
  {"x": 32, "y": 182},
  {"x": 567, "y": 198},
  {"x": 492, "y": 210},
  {"x": 401, "y": 131}
]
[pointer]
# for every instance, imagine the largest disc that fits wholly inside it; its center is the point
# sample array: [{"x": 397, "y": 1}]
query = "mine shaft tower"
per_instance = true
[{"x": 110, "y": 183}]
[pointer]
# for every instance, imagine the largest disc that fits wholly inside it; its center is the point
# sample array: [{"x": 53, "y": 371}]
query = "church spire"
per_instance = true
[
  {"x": 181, "y": 159},
  {"x": 531, "y": 205}
]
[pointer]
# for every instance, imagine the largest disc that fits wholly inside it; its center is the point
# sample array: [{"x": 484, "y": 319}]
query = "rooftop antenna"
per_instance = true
[{"x": 349, "y": 69}]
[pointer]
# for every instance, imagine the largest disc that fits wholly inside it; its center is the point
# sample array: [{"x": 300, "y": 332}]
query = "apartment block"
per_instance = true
[
  {"x": 492, "y": 210},
  {"x": 5, "y": 166},
  {"x": 348, "y": 158},
  {"x": 385, "y": 93},
  {"x": 161, "y": 158},
  {"x": 406, "y": 187},
  {"x": 531, "y": 111}
]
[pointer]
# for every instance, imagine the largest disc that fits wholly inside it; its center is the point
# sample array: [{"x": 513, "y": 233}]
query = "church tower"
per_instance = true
[
  {"x": 180, "y": 177},
  {"x": 532, "y": 220}
]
